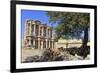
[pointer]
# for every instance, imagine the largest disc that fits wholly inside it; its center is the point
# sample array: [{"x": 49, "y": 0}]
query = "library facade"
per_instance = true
[{"x": 38, "y": 35}]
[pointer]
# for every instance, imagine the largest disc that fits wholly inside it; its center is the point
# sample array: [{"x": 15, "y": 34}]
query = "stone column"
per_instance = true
[
  {"x": 33, "y": 43},
  {"x": 42, "y": 44},
  {"x": 34, "y": 29},
  {"x": 47, "y": 32},
  {"x": 30, "y": 41},
  {"x": 49, "y": 43},
  {"x": 30, "y": 28},
  {"x": 46, "y": 43},
  {"x": 39, "y": 30},
  {"x": 52, "y": 44},
  {"x": 27, "y": 26},
  {"x": 38, "y": 43}
]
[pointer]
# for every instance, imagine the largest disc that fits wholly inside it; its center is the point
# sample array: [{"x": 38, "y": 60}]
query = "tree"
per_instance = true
[{"x": 71, "y": 24}]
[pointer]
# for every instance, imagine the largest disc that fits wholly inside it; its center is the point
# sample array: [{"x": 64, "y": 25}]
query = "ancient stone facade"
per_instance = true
[{"x": 38, "y": 35}]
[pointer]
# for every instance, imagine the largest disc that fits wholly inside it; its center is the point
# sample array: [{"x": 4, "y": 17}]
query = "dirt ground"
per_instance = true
[{"x": 30, "y": 52}]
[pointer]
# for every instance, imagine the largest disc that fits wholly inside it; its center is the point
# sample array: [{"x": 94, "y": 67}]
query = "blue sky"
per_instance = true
[{"x": 33, "y": 15}]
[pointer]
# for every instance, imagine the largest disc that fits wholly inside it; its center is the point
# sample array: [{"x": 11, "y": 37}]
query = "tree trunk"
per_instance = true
[
  {"x": 84, "y": 45},
  {"x": 85, "y": 39}
]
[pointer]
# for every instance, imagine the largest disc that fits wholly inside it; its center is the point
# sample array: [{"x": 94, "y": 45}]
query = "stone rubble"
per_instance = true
[{"x": 49, "y": 55}]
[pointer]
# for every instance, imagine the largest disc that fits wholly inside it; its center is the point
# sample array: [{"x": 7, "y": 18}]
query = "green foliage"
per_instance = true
[{"x": 70, "y": 24}]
